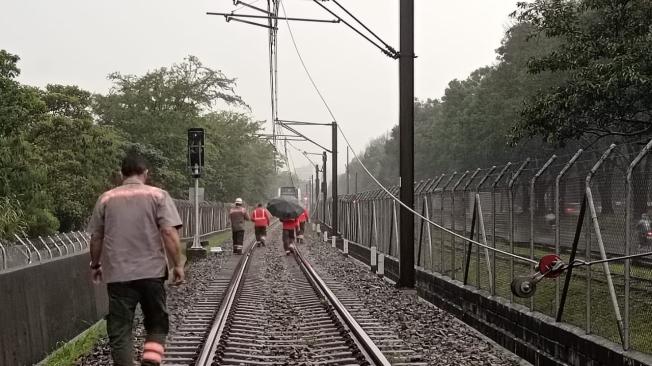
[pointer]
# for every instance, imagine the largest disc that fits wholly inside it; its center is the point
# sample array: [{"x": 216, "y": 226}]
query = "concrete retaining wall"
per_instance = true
[{"x": 44, "y": 304}]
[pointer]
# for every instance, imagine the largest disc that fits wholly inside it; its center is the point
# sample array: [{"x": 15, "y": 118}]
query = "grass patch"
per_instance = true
[
  {"x": 81, "y": 345},
  {"x": 218, "y": 239}
]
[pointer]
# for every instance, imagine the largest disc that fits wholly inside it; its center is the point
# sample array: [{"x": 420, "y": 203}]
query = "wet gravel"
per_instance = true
[
  {"x": 286, "y": 306},
  {"x": 179, "y": 298},
  {"x": 440, "y": 337}
]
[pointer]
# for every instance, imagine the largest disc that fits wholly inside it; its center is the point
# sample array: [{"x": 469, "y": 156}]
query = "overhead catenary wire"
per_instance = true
[
  {"x": 390, "y": 48},
  {"x": 387, "y": 51},
  {"x": 302, "y": 153},
  {"x": 364, "y": 167}
]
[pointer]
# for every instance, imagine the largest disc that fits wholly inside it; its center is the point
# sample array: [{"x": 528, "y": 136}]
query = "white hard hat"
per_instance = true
[{"x": 238, "y": 201}]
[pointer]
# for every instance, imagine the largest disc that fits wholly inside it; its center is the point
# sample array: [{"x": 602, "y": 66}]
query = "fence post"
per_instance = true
[
  {"x": 81, "y": 245},
  {"x": 38, "y": 253},
  {"x": 493, "y": 225},
  {"x": 598, "y": 236},
  {"x": 358, "y": 231},
  {"x": 628, "y": 237},
  {"x": 465, "y": 191},
  {"x": 47, "y": 246},
  {"x": 53, "y": 242},
  {"x": 510, "y": 186},
  {"x": 431, "y": 190},
  {"x": 428, "y": 231},
  {"x": 561, "y": 174},
  {"x": 381, "y": 265},
  {"x": 443, "y": 222},
  {"x": 86, "y": 241},
  {"x": 374, "y": 224},
  {"x": 453, "y": 239},
  {"x": 533, "y": 182},
  {"x": 481, "y": 225}
]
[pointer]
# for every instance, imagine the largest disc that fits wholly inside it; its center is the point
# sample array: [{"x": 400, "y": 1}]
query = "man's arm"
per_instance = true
[
  {"x": 172, "y": 243},
  {"x": 96, "y": 249}
]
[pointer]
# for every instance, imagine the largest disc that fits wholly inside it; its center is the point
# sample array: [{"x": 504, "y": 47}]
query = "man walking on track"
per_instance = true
[
  {"x": 261, "y": 219},
  {"x": 238, "y": 215},
  {"x": 289, "y": 228},
  {"x": 131, "y": 228}
]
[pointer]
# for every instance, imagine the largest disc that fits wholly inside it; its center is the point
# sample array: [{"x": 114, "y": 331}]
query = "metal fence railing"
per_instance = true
[
  {"x": 532, "y": 208},
  {"x": 23, "y": 250}
]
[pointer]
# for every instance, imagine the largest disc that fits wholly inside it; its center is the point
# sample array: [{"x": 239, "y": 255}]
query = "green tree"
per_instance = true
[
  {"x": 154, "y": 112},
  {"x": 605, "y": 52},
  {"x": 78, "y": 155},
  {"x": 22, "y": 176}
]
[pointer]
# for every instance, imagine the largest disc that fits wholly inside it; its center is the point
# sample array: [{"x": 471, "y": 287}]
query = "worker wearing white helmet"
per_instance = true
[{"x": 238, "y": 215}]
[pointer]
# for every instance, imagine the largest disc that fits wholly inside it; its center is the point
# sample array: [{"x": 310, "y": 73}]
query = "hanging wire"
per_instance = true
[
  {"x": 303, "y": 153},
  {"x": 364, "y": 167},
  {"x": 242, "y": 6}
]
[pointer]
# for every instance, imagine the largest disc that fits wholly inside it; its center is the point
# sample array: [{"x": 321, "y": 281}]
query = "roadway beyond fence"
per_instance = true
[{"x": 531, "y": 208}]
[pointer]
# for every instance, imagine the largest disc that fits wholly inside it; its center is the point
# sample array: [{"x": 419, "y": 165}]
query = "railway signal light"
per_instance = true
[{"x": 196, "y": 151}]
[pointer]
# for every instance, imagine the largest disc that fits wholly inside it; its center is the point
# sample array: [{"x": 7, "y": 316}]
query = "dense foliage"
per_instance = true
[
  {"x": 605, "y": 51},
  {"x": 568, "y": 73},
  {"x": 60, "y": 147}
]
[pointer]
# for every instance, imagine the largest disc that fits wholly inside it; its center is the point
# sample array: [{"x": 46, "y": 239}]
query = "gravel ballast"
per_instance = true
[{"x": 441, "y": 338}]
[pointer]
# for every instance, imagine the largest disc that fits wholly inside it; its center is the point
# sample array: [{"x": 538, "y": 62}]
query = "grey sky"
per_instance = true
[{"x": 81, "y": 41}]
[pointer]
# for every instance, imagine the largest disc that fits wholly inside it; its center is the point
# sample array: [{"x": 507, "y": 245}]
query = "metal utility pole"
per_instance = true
[
  {"x": 311, "y": 194},
  {"x": 196, "y": 164},
  {"x": 356, "y": 182},
  {"x": 334, "y": 208},
  {"x": 317, "y": 189},
  {"x": 324, "y": 185},
  {"x": 406, "y": 143}
]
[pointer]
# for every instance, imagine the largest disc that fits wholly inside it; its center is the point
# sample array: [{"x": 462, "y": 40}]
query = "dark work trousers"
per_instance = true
[
  {"x": 238, "y": 240},
  {"x": 260, "y": 232},
  {"x": 123, "y": 297},
  {"x": 302, "y": 227},
  {"x": 288, "y": 238}
]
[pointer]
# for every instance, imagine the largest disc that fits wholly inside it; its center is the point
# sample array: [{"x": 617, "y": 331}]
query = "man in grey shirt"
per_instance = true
[
  {"x": 132, "y": 228},
  {"x": 238, "y": 216}
]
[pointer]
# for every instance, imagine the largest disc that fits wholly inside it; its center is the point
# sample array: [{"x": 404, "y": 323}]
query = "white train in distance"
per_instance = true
[{"x": 290, "y": 191}]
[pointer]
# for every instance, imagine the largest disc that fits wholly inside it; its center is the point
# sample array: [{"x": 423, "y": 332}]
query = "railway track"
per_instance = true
[{"x": 274, "y": 310}]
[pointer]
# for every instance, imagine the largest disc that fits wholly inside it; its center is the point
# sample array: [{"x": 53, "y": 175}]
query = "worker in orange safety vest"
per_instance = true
[
  {"x": 261, "y": 218},
  {"x": 289, "y": 229}
]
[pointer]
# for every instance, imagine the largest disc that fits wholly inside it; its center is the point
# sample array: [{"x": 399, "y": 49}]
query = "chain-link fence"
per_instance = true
[
  {"x": 588, "y": 206},
  {"x": 23, "y": 250}
]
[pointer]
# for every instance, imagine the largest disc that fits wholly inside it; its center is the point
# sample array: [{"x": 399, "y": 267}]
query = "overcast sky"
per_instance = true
[{"x": 81, "y": 41}]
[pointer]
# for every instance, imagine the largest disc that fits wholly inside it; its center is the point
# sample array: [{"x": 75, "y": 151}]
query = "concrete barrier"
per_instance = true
[{"x": 46, "y": 303}]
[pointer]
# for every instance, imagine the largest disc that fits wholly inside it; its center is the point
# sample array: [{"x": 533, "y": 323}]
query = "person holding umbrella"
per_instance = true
[{"x": 288, "y": 211}]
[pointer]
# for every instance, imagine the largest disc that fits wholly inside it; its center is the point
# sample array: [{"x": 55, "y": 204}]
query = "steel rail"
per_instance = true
[
  {"x": 362, "y": 339},
  {"x": 207, "y": 353}
]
